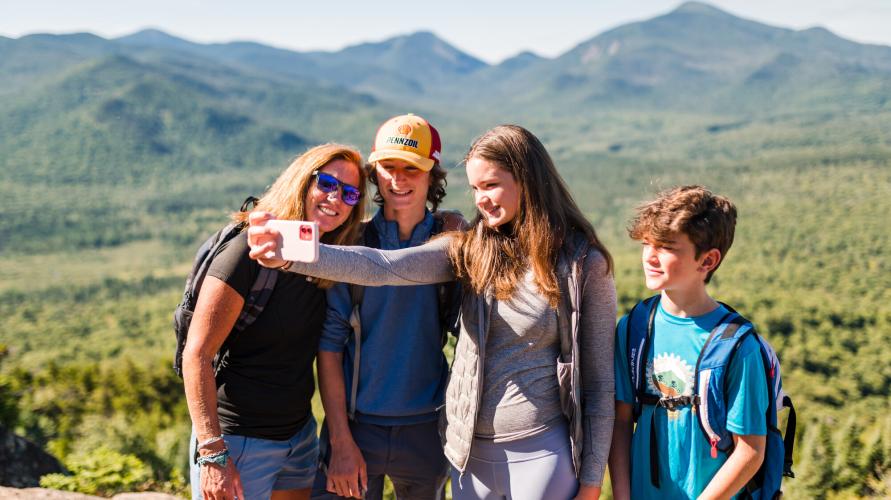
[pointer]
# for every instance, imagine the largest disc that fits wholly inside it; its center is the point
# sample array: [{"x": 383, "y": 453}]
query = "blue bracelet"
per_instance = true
[{"x": 219, "y": 458}]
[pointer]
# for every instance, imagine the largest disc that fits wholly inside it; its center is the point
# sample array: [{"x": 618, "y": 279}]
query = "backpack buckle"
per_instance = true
[{"x": 672, "y": 404}]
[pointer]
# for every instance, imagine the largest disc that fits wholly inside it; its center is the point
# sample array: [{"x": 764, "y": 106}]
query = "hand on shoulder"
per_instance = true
[{"x": 452, "y": 220}]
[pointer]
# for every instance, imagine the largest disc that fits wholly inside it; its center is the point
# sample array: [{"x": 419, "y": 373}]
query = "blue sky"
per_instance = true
[{"x": 489, "y": 29}]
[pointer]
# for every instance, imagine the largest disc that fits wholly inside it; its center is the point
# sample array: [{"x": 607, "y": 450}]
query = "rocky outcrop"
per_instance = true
[
  {"x": 23, "y": 462},
  {"x": 43, "y": 494}
]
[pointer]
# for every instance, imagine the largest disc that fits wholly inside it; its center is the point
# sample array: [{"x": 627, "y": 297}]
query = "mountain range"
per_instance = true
[
  {"x": 118, "y": 157},
  {"x": 151, "y": 108}
]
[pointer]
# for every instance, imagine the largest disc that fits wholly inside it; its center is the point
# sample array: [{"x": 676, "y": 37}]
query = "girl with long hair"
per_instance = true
[{"x": 529, "y": 405}]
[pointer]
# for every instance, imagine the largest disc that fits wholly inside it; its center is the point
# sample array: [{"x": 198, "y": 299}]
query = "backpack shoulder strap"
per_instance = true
[
  {"x": 254, "y": 304},
  {"x": 709, "y": 379},
  {"x": 638, "y": 334},
  {"x": 206, "y": 254},
  {"x": 257, "y": 297},
  {"x": 368, "y": 237},
  {"x": 448, "y": 293}
]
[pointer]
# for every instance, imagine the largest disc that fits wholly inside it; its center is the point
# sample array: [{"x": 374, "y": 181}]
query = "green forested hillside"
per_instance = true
[{"x": 117, "y": 158}]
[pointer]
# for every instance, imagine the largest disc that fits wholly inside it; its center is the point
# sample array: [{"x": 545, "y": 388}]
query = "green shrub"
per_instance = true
[{"x": 101, "y": 472}]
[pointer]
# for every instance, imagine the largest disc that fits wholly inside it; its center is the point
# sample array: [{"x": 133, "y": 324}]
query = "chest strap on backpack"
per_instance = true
[{"x": 641, "y": 397}]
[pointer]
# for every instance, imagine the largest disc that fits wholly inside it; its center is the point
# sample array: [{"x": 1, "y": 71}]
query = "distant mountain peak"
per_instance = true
[
  {"x": 423, "y": 48},
  {"x": 694, "y": 7},
  {"x": 155, "y": 38},
  {"x": 523, "y": 59},
  {"x": 422, "y": 35},
  {"x": 151, "y": 32},
  {"x": 424, "y": 38},
  {"x": 526, "y": 55}
]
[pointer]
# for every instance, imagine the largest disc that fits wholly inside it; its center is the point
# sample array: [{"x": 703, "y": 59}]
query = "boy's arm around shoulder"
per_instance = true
[
  {"x": 452, "y": 220},
  {"x": 596, "y": 343}
]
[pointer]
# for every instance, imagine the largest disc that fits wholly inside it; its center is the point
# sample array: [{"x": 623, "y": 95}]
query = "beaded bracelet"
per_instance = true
[{"x": 219, "y": 458}]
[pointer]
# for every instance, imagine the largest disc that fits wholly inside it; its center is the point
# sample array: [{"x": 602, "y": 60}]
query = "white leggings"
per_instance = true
[{"x": 533, "y": 468}]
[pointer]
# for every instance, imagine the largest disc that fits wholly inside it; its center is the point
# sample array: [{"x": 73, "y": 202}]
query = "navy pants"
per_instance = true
[{"x": 411, "y": 455}]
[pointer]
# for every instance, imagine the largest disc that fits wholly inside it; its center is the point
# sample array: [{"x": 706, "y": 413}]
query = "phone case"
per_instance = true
[{"x": 299, "y": 240}]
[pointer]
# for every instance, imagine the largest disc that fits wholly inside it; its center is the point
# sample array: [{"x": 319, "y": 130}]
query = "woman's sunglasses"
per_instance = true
[{"x": 328, "y": 184}]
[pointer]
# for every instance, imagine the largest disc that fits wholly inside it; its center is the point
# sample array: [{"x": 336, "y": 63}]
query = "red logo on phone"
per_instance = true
[{"x": 306, "y": 233}]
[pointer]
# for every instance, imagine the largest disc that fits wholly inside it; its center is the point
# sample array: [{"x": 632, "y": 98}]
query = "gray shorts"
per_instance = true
[
  {"x": 411, "y": 455},
  {"x": 530, "y": 468}
]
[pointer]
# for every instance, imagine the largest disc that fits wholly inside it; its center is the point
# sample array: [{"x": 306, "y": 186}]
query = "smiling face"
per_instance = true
[
  {"x": 328, "y": 209},
  {"x": 673, "y": 264},
  {"x": 402, "y": 185},
  {"x": 495, "y": 191}
]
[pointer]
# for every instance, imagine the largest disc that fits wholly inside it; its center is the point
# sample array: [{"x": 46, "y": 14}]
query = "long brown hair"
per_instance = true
[
  {"x": 486, "y": 257},
  {"x": 286, "y": 198}
]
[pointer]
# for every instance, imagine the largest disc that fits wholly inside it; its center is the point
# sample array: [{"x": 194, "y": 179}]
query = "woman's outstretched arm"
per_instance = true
[{"x": 425, "y": 264}]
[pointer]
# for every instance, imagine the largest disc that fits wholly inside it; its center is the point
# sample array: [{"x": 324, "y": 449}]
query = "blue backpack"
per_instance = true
[{"x": 709, "y": 396}]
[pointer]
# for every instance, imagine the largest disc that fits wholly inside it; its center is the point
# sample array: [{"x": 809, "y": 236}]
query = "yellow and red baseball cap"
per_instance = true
[{"x": 407, "y": 137}]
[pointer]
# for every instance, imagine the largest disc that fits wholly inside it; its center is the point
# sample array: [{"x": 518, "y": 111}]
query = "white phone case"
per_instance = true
[{"x": 299, "y": 240}]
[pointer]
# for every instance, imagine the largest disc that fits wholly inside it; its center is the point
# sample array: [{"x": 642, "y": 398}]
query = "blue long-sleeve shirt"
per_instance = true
[{"x": 402, "y": 370}]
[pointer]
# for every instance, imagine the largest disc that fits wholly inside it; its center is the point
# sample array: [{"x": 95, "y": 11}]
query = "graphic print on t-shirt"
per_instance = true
[{"x": 670, "y": 376}]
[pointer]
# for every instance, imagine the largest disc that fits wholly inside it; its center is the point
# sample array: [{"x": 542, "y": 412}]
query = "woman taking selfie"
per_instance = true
[
  {"x": 529, "y": 406},
  {"x": 254, "y": 435}
]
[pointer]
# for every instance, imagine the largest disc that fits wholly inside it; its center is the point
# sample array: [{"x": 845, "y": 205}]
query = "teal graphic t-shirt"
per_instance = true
[{"x": 686, "y": 464}]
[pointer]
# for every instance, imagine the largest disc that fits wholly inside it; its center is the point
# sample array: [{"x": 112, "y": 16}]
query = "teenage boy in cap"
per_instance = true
[{"x": 385, "y": 423}]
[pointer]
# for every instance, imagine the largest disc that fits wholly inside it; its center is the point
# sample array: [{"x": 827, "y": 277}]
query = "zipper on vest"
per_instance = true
[{"x": 479, "y": 370}]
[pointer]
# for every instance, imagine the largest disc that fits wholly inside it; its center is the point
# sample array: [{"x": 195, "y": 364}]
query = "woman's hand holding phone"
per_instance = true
[
  {"x": 264, "y": 240},
  {"x": 273, "y": 241}
]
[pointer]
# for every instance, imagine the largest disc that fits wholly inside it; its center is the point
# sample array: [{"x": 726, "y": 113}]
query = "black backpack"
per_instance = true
[{"x": 253, "y": 304}]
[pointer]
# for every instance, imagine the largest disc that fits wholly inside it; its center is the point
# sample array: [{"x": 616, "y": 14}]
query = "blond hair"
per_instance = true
[{"x": 286, "y": 198}]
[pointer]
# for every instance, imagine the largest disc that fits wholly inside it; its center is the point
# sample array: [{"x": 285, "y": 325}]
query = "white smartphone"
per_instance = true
[{"x": 299, "y": 240}]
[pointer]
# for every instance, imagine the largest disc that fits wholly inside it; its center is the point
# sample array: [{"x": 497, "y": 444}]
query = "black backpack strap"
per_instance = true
[
  {"x": 257, "y": 297},
  {"x": 249, "y": 203},
  {"x": 789, "y": 438},
  {"x": 254, "y": 304},
  {"x": 638, "y": 385},
  {"x": 182, "y": 316},
  {"x": 448, "y": 293}
]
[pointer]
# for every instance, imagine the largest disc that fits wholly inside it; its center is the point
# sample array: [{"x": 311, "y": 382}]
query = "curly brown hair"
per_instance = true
[{"x": 709, "y": 220}]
